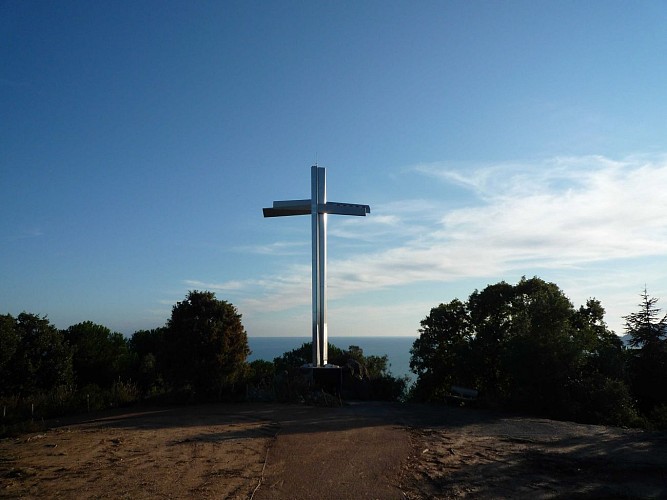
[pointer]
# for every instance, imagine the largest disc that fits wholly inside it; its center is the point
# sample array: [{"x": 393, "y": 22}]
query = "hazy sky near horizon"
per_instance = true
[{"x": 139, "y": 141}]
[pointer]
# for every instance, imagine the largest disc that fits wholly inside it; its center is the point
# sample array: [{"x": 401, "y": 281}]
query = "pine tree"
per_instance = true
[
  {"x": 648, "y": 362},
  {"x": 647, "y": 330}
]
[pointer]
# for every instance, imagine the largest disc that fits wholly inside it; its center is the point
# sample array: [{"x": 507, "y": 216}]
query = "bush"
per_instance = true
[
  {"x": 124, "y": 393},
  {"x": 363, "y": 377},
  {"x": 389, "y": 388},
  {"x": 658, "y": 417},
  {"x": 260, "y": 381},
  {"x": 601, "y": 400}
]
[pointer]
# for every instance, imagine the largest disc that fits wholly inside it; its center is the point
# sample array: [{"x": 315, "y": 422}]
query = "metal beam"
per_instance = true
[
  {"x": 318, "y": 208},
  {"x": 343, "y": 209},
  {"x": 303, "y": 207}
]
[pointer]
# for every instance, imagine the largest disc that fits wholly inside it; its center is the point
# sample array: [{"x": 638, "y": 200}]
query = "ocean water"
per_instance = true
[{"x": 397, "y": 349}]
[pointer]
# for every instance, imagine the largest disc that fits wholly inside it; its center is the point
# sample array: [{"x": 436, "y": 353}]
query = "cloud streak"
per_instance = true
[
  {"x": 277, "y": 248},
  {"x": 563, "y": 213},
  {"x": 557, "y": 214}
]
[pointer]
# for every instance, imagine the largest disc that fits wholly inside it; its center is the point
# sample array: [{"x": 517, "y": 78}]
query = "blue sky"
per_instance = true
[{"x": 139, "y": 142}]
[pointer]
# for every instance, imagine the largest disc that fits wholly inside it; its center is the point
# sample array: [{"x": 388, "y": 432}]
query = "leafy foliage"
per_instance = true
[
  {"x": 99, "y": 356},
  {"x": 648, "y": 364},
  {"x": 206, "y": 346},
  {"x": 444, "y": 340},
  {"x": 36, "y": 359},
  {"x": 524, "y": 347},
  {"x": 35, "y": 369},
  {"x": 303, "y": 355},
  {"x": 147, "y": 348},
  {"x": 364, "y": 377},
  {"x": 647, "y": 329},
  {"x": 9, "y": 343}
]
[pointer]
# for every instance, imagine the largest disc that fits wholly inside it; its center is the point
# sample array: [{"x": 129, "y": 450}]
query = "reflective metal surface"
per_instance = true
[{"x": 318, "y": 208}]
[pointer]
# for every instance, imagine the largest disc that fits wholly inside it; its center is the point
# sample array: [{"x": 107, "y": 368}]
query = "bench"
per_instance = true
[{"x": 462, "y": 394}]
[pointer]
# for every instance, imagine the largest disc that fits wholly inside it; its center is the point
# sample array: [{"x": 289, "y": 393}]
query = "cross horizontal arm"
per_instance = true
[
  {"x": 304, "y": 207},
  {"x": 332, "y": 207},
  {"x": 288, "y": 207},
  {"x": 283, "y": 212}
]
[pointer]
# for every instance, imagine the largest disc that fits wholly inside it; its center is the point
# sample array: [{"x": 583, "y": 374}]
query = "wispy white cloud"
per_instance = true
[
  {"x": 563, "y": 212},
  {"x": 277, "y": 248},
  {"x": 567, "y": 212},
  {"x": 228, "y": 286},
  {"x": 287, "y": 290},
  {"x": 525, "y": 218},
  {"x": 280, "y": 293}
]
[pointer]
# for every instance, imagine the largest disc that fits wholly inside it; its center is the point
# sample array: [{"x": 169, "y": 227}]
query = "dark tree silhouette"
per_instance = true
[
  {"x": 206, "y": 346},
  {"x": 648, "y": 337}
]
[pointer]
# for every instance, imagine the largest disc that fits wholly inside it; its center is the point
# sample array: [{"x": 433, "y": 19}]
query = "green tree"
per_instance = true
[
  {"x": 491, "y": 314},
  {"x": 41, "y": 361},
  {"x": 261, "y": 371},
  {"x": 9, "y": 343},
  {"x": 604, "y": 353},
  {"x": 648, "y": 336},
  {"x": 646, "y": 328},
  {"x": 363, "y": 377},
  {"x": 145, "y": 342},
  {"x": 523, "y": 346},
  {"x": 147, "y": 348},
  {"x": 303, "y": 355},
  {"x": 99, "y": 356},
  {"x": 440, "y": 355},
  {"x": 542, "y": 355},
  {"x": 206, "y": 346}
]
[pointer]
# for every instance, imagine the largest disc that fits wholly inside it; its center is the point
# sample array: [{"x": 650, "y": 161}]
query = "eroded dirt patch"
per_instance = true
[
  {"x": 536, "y": 459},
  {"x": 202, "y": 453}
]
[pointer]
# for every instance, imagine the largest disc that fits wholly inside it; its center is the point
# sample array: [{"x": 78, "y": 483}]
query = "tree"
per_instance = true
[
  {"x": 376, "y": 380},
  {"x": 440, "y": 355},
  {"x": 261, "y": 371},
  {"x": 363, "y": 377},
  {"x": 542, "y": 356},
  {"x": 304, "y": 355},
  {"x": 603, "y": 349},
  {"x": 9, "y": 343},
  {"x": 99, "y": 356},
  {"x": 41, "y": 360},
  {"x": 144, "y": 342},
  {"x": 491, "y": 313},
  {"x": 525, "y": 347},
  {"x": 147, "y": 348},
  {"x": 647, "y": 330},
  {"x": 206, "y": 346},
  {"x": 648, "y": 337}
]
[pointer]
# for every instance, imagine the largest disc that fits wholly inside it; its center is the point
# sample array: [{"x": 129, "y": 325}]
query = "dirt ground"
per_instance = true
[{"x": 363, "y": 450}]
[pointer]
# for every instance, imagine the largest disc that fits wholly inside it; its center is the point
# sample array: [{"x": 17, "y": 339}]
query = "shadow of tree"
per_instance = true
[{"x": 519, "y": 457}]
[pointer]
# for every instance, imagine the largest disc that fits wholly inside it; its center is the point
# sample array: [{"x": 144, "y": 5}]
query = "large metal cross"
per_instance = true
[{"x": 318, "y": 207}]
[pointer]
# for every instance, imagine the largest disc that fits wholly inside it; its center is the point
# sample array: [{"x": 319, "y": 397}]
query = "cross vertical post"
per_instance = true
[
  {"x": 318, "y": 208},
  {"x": 318, "y": 182}
]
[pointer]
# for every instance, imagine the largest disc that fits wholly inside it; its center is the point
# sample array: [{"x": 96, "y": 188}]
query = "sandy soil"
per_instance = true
[
  {"x": 477, "y": 454},
  {"x": 202, "y": 452},
  {"x": 365, "y": 450}
]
